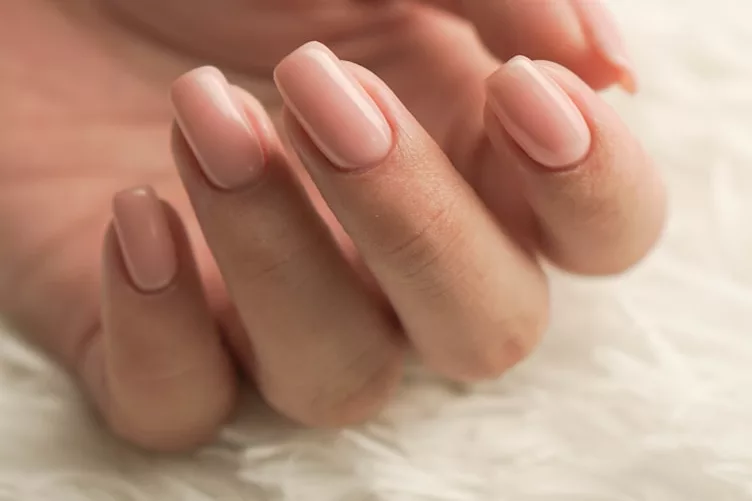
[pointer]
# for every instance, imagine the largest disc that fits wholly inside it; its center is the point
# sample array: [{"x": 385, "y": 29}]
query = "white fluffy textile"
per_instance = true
[{"x": 642, "y": 391}]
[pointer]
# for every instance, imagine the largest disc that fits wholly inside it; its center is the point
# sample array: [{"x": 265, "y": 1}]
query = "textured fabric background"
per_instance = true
[{"x": 642, "y": 391}]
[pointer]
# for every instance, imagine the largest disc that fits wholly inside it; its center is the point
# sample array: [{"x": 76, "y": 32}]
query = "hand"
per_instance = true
[{"x": 420, "y": 228}]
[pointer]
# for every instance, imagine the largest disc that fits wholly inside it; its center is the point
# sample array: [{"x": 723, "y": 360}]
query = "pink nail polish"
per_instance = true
[
  {"x": 333, "y": 108},
  {"x": 601, "y": 27},
  {"x": 538, "y": 114},
  {"x": 217, "y": 128},
  {"x": 145, "y": 238}
]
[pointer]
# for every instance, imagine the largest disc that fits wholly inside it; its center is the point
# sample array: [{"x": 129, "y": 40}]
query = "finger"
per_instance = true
[
  {"x": 599, "y": 201},
  {"x": 579, "y": 34},
  {"x": 325, "y": 351},
  {"x": 158, "y": 371},
  {"x": 471, "y": 301}
]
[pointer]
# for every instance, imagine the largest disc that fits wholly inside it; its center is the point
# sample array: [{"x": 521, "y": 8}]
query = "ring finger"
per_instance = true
[{"x": 325, "y": 351}]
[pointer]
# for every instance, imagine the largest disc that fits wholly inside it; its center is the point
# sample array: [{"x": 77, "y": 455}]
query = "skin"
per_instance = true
[{"x": 83, "y": 96}]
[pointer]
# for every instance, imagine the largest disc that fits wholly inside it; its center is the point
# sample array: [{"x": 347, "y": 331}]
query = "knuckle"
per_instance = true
[
  {"x": 169, "y": 421},
  {"x": 153, "y": 436},
  {"x": 496, "y": 347},
  {"x": 351, "y": 395},
  {"x": 484, "y": 363}
]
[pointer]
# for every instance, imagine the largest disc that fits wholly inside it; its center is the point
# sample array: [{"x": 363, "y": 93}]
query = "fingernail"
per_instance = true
[
  {"x": 538, "y": 114},
  {"x": 145, "y": 238},
  {"x": 333, "y": 108},
  {"x": 217, "y": 128},
  {"x": 601, "y": 26}
]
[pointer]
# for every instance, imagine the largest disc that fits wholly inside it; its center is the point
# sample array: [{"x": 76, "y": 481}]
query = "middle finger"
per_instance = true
[{"x": 471, "y": 300}]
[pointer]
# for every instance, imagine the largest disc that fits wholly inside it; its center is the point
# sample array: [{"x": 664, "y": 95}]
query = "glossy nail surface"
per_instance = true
[
  {"x": 333, "y": 108},
  {"x": 538, "y": 114},
  {"x": 217, "y": 128},
  {"x": 145, "y": 238}
]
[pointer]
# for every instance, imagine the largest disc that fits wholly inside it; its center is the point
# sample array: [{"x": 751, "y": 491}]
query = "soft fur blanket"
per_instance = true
[{"x": 642, "y": 391}]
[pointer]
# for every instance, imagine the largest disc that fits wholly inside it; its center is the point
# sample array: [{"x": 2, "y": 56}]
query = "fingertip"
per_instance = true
[
  {"x": 604, "y": 36},
  {"x": 145, "y": 238},
  {"x": 226, "y": 129},
  {"x": 538, "y": 115},
  {"x": 627, "y": 77},
  {"x": 289, "y": 63},
  {"x": 600, "y": 213},
  {"x": 580, "y": 34},
  {"x": 333, "y": 107},
  {"x": 188, "y": 80}
]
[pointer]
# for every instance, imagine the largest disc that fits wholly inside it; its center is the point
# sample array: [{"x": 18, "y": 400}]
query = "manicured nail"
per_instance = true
[
  {"x": 217, "y": 128},
  {"x": 538, "y": 114},
  {"x": 145, "y": 238},
  {"x": 601, "y": 26},
  {"x": 333, "y": 108}
]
